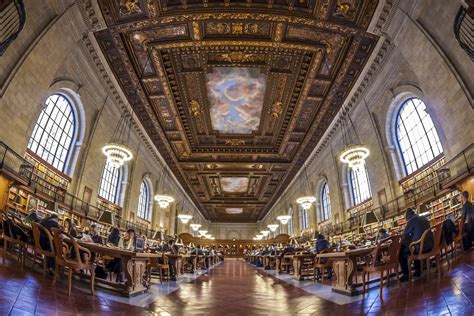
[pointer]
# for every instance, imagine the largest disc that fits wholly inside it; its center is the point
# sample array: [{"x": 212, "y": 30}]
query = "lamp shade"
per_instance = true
[
  {"x": 158, "y": 235},
  {"x": 107, "y": 218}
]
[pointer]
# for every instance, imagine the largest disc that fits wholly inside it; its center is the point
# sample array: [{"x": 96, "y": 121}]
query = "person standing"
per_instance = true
[{"x": 468, "y": 219}]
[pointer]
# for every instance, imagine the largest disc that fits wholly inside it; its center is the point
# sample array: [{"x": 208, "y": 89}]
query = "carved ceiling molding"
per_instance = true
[{"x": 155, "y": 74}]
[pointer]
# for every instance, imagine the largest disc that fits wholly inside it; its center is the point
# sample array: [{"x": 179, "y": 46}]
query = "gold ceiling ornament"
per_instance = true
[
  {"x": 128, "y": 7},
  {"x": 276, "y": 110},
  {"x": 345, "y": 8},
  {"x": 195, "y": 108},
  {"x": 211, "y": 166},
  {"x": 238, "y": 57},
  {"x": 235, "y": 142},
  {"x": 257, "y": 166}
]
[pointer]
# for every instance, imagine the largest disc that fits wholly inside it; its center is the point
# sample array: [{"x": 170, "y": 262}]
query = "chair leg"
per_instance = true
[
  {"x": 363, "y": 282},
  {"x": 92, "y": 281},
  {"x": 5, "y": 243},
  {"x": 381, "y": 285},
  {"x": 45, "y": 262},
  {"x": 34, "y": 259},
  {"x": 410, "y": 276},
  {"x": 161, "y": 276},
  {"x": 428, "y": 264},
  {"x": 56, "y": 273},
  {"x": 69, "y": 282}
]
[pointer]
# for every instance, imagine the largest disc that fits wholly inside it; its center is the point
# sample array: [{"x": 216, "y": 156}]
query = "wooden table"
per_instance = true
[
  {"x": 134, "y": 265},
  {"x": 344, "y": 264},
  {"x": 301, "y": 262}
]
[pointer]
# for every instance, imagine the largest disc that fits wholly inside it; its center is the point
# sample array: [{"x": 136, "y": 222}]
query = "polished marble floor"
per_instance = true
[{"x": 237, "y": 288}]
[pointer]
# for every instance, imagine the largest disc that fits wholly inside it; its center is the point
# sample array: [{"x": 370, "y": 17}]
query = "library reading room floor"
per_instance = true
[{"x": 237, "y": 288}]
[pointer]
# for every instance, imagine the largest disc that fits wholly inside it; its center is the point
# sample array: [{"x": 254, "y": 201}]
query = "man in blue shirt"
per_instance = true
[{"x": 414, "y": 229}]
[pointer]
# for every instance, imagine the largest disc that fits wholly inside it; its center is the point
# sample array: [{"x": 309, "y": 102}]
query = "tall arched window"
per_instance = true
[
  {"x": 325, "y": 202},
  {"x": 303, "y": 218},
  {"x": 144, "y": 209},
  {"x": 360, "y": 186},
  {"x": 54, "y": 132},
  {"x": 110, "y": 183},
  {"x": 416, "y": 135}
]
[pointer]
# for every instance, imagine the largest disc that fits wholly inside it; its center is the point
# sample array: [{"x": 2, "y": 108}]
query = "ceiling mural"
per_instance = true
[
  {"x": 229, "y": 91},
  {"x": 234, "y": 184},
  {"x": 235, "y": 97}
]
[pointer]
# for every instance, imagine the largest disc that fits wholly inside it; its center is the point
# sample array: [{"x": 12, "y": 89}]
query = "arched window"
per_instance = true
[
  {"x": 416, "y": 135},
  {"x": 290, "y": 222},
  {"x": 54, "y": 132},
  {"x": 303, "y": 218},
  {"x": 110, "y": 183},
  {"x": 325, "y": 202},
  {"x": 360, "y": 186},
  {"x": 144, "y": 209}
]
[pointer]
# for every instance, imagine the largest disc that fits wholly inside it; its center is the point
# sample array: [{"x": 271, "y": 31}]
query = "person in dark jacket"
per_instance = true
[
  {"x": 414, "y": 229},
  {"x": 171, "y": 249},
  {"x": 48, "y": 223},
  {"x": 69, "y": 228},
  {"x": 321, "y": 243},
  {"x": 468, "y": 219},
  {"x": 115, "y": 265}
]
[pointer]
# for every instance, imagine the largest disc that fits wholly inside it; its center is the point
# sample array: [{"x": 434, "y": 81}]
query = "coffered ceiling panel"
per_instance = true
[{"x": 236, "y": 94}]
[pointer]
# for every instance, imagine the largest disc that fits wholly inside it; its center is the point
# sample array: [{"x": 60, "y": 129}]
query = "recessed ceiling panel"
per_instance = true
[
  {"x": 234, "y": 210},
  {"x": 234, "y": 184},
  {"x": 235, "y": 97}
]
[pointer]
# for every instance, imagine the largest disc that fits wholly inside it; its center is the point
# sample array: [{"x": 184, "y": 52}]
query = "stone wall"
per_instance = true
[{"x": 53, "y": 54}]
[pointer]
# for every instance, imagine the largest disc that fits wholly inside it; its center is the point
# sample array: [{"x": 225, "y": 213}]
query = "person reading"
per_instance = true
[
  {"x": 414, "y": 229},
  {"x": 468, "y": 219},
  {"x": 171, "y": 248}
]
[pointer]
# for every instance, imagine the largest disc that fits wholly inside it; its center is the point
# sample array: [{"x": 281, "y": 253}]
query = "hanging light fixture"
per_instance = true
[
  {"x": 284, "y": 219},
  {"x": 259, "y": 237},
  {"x": 184, "y": 218},
  {"x": 202, "y": 232},
  {"x": 195, "y": 227},
  {"x": 163, "y": 200},
  {"x": 265, "y": 233},
  {"x": 273, "y": 227},
  {"x": 307, "y": 200},
  {"x": 117, "y": 150},
  {"x": 354, "y": 153}
]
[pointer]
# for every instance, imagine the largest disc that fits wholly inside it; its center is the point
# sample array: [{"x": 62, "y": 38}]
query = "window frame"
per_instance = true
[
  {"x": 304, "y": 221},
  {"x": 325, "y": 203},
  {"x": 410, "y": 148},
  {"x": 119, "y": 178},
  {"x": 39, "y": 127},
  {"x": 147, "y": 212},
  {"x": 351, "y": 185}
]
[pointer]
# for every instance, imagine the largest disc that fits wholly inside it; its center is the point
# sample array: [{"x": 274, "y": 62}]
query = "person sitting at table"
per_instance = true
[
  {"x": 115, "y": 265},
  {"x": 48, "y": 223},
  {"x": 128, "y": 242},
  {"x": 414, "y": 229},
  {"x": 32, "y": 217},
  {"x": 321, "y": 243},
  {"x": 171, "y": 248},
  {"x": 94, "y": 234},
  {"x": 382, "y": 234},
  {"x": 69, "y": 228}
]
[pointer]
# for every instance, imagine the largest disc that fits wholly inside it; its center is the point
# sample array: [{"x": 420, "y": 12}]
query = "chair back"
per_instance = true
[
  {"x": 37, "y": 230},
  {"x": 62, "y": 242},
  {"x": 438, "y": 237},
  {"x": 393, "y": 249}
]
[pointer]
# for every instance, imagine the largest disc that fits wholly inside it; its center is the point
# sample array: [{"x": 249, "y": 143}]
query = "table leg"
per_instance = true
[{"x": 135, "y": 272}]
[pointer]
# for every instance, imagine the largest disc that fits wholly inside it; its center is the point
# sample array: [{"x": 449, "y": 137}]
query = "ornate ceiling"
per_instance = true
[{"x": 236, "y": 94}]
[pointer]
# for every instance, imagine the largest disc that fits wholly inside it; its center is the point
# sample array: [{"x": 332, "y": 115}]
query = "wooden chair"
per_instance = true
[
  {"x": 457, "y": 242},
  {"x": 384, "y": 258},
  {"x": 322, "y": 265},
  {"x": 38, "y": 250},
  {"x": 9, "y": 238},
  {"x": 155, "y": 264},
  {"x": 435, "y": 253},
  {"x": 64, "y": 258}
]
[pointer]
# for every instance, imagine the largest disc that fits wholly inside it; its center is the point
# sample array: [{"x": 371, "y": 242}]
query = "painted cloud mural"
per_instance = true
[
  {"x": 234, "y": 184},
  {"x": 236, "y": 99}
]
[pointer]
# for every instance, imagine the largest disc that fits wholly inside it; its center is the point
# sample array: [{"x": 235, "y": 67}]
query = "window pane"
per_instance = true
[
  {"x": 52, "y": 133},
  {"x": 325, "y": 203},
  {"x": 360, "y": 185},
  {"x": 417, "y": 138},
  {"x": 109, "y": 183},
  {"x": 143, "y": 210}
]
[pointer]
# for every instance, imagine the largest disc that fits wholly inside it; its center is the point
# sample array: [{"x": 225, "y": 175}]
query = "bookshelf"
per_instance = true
[
  {"x": 438, "y": 210},
  {"x": 423, "y": 183},
  {"x": 47, "y": 180},
  {"x": 18, "y": 199}
]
